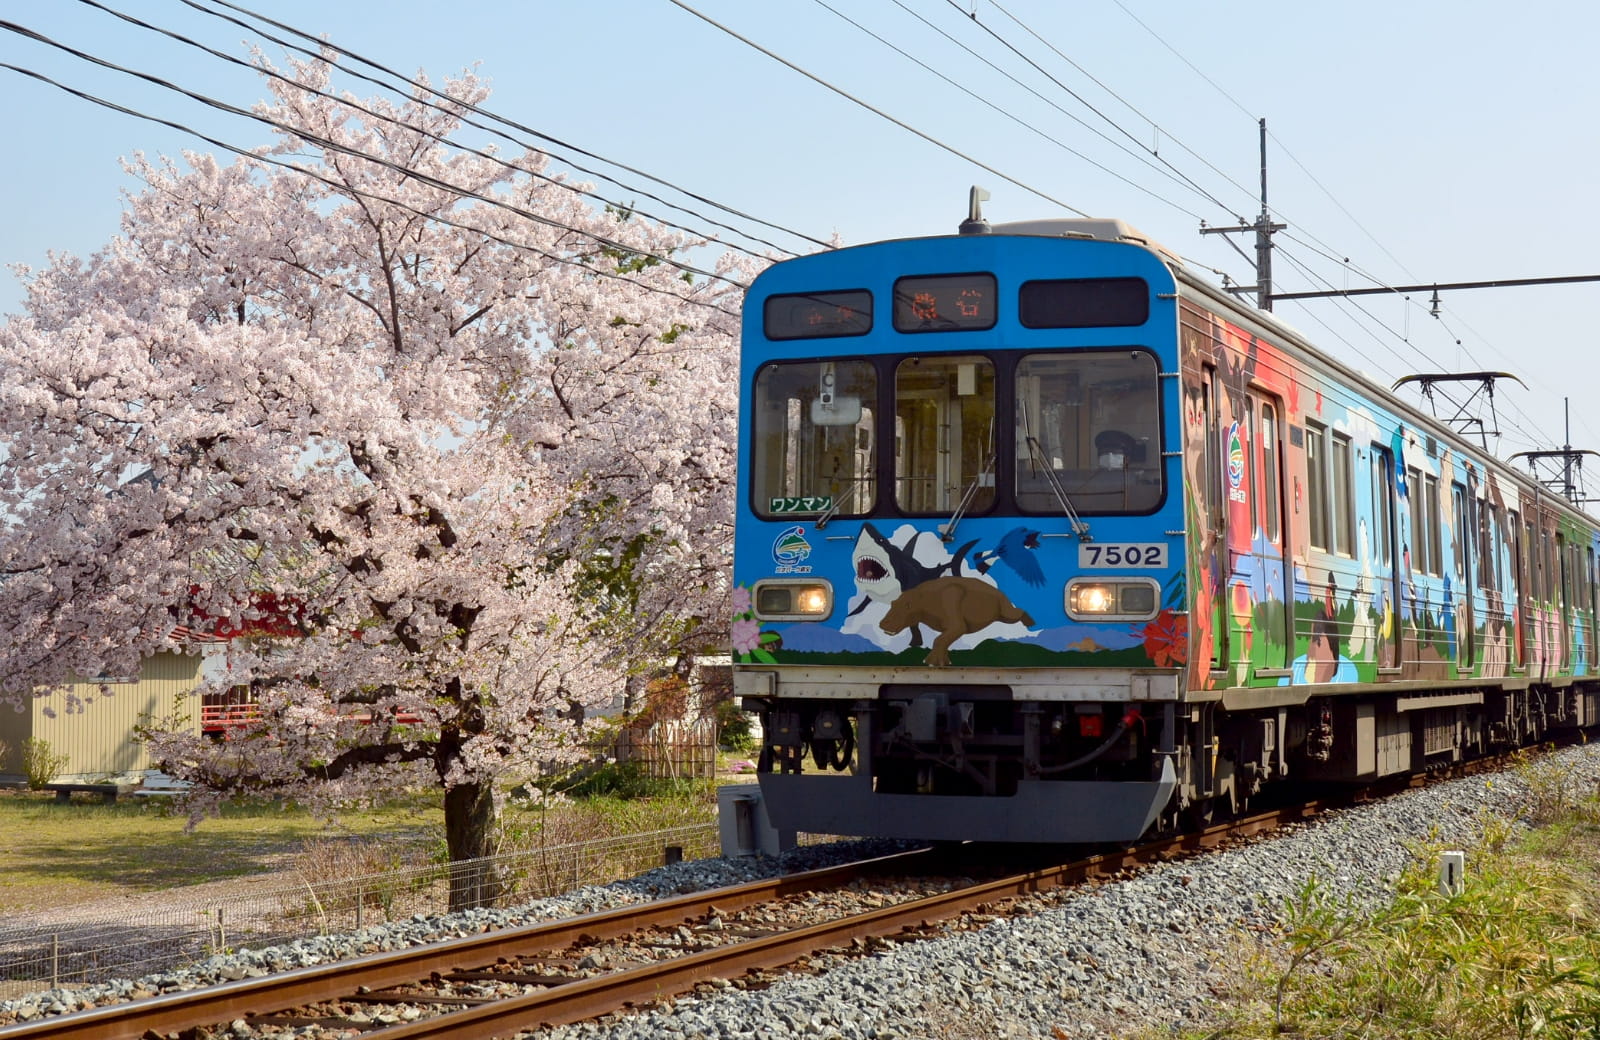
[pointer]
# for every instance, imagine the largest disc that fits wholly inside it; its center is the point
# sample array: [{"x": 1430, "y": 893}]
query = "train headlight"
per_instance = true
[
  {"x": 808, "y": 600},
  {"x": 1118, "y": 599}
]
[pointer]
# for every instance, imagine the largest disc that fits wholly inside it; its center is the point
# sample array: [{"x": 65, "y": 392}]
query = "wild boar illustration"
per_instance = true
[{"x": 953, "y": 607}]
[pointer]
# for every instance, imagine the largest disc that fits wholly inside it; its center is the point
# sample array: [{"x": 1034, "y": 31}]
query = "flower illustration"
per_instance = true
[
  {"x": 746, "y": 636},
  {"x": 1166, "y": 639},
  {"x": 741, "y": 601}
]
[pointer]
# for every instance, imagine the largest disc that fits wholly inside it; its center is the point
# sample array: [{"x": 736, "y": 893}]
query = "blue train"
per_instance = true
[{"x": 1041, "y": 538}]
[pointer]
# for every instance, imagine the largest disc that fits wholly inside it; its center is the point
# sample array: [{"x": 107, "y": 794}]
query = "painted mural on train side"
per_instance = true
[{"x": 1331, "y": 543}]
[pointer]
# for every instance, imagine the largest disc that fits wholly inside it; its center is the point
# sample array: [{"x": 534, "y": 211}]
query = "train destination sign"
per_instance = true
[
  {"x": 944, "y": 303},
  {"x": 819, "y": 315}
]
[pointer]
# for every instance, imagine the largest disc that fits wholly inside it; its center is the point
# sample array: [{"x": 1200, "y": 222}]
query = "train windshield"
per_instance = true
[
  {"x": 944, "y": 434},
  {"x": 814, "y": 435},
  {"x": 1089, "y": 431}
]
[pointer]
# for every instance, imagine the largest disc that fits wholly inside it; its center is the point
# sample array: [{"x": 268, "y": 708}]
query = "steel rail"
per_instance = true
[
  {"x": 175, "y": 1012},
  {"x": 588, "y": 998}
]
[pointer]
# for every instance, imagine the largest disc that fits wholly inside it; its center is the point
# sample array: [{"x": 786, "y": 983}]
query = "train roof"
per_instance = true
[{"x": 1103, "y": 229}]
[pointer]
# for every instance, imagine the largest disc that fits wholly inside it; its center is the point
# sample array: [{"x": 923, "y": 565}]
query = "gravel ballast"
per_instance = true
[{"x": 1147, "y": 951}]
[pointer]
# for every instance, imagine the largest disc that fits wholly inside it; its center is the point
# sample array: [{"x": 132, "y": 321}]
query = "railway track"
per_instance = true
[{"x": 498, "y": 983}]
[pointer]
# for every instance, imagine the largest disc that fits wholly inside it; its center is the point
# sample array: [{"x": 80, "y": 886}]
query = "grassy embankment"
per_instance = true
[{"x": 1513, "y": 953}]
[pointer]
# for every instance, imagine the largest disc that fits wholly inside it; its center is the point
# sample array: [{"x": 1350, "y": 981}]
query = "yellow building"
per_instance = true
[{"x": 100, "y": 741}]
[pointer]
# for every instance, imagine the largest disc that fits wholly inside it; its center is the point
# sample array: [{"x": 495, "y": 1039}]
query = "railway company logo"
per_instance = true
[
  {"x": 1235, "y": 464},
  {"x": 790, "y": 550}
]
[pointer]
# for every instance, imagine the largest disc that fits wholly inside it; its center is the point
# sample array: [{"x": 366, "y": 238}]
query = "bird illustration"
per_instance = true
[{"x": 1015, "y": 552}]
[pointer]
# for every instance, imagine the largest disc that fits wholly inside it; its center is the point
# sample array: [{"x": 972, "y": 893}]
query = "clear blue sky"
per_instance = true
[{"x": 1423, "y": 141}]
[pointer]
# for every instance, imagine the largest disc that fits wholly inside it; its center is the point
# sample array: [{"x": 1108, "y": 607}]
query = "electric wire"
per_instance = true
[
  {"x": 504, "y": 121},
  {"x": 1012, "y": 116},
  {"x": 348, "y": 190},
  {"x": 1175, "y": 173},
  {"x": 1321, "y": 247},
  {"x": 357, "y": 106},
  {"x": 445, "y": 141},
  {"x": 813, "y": 77},
  {"x": 335, "y": 146}
]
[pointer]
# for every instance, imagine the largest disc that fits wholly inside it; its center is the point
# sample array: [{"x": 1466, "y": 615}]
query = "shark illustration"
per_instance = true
[{"x": 884, "y": 571}]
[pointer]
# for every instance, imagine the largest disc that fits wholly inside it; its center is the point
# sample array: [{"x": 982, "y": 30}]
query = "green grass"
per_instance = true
[
  {"x": 1514, "y": 954},
  {"x": 60, "y": 854},
  {"x": 56, "y": 854}
]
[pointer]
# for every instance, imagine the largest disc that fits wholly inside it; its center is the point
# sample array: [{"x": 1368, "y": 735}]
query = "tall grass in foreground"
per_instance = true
[{"x": 1512, "y": 954}]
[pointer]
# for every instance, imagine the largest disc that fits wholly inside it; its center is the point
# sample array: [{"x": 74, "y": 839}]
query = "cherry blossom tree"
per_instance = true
[{"x": 434, "y": 406}]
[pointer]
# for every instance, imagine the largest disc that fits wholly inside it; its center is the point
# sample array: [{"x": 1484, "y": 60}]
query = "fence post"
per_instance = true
[{"x": 55, "y": 959}]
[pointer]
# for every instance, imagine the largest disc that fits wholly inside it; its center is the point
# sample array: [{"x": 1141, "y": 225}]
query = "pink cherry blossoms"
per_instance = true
[{"x": 488, "y": 457}]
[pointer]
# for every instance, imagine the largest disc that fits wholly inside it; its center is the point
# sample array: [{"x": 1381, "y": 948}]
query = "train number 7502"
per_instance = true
[{"x": 1122, "y": 554}]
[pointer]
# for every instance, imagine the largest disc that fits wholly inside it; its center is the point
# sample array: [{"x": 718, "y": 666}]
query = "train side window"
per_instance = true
[
  {"x": 1488, "y": 559},
  {"x": 1530, "y": 550},
  {"x": 1342, "y": 496},
  {"x": 1430, "y": 502},
  {"x": 1269, "y": 470},
  {"x": 1317, "y": 484},
  {"x": 1422, "y": 491}
]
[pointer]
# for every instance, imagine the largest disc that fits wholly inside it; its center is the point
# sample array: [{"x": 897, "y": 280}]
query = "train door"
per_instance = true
[
  {"x": 1563, "y": 571},
  {"x": 1215, "y": 520},
  {"x": 1516, "y": 596},
  {"x": 1458, "y": 600},
  {"x": 1270, "y": 577},
  {"x": 1385, "y": 561},
  {"x": 1594, "y": 608}
]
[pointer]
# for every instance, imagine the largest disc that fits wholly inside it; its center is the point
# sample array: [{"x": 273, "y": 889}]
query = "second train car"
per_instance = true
[{"x": 1042, "y": 538}]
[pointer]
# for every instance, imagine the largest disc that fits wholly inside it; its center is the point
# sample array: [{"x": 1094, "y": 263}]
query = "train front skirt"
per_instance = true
[{"x": 1046, "y": 811}]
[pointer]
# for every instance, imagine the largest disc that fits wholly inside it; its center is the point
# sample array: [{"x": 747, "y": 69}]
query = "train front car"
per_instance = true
[{"x": 959, "y": 602}]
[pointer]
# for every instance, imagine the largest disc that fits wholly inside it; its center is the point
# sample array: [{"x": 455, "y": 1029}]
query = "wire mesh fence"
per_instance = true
[{"x": 168, "y": 932}]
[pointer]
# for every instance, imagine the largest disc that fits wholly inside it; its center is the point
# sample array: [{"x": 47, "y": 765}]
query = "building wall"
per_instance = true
[{"x": 99, "y": 740}]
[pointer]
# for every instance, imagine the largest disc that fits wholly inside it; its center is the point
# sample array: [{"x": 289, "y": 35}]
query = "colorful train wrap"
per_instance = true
[{"x": 1042, "y": 538}]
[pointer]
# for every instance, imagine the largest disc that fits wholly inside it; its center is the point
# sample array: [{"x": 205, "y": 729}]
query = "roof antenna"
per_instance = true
[{"x": 975, "y": 224}]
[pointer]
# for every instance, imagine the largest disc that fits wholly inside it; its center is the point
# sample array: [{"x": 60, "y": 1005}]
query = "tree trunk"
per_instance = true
[{"x": 469, "y": 832}]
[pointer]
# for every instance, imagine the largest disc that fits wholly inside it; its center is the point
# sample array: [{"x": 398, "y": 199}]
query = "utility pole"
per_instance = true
[{"x": 1264, "y": 229}]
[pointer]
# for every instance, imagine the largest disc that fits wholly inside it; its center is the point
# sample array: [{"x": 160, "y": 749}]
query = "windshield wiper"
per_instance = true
[
  {"x": 947, "y": 531},
  {"x": 1079, "y": 528},
  {"x": 1036, "y": 454},
  {"x": 838, "y": 504}
]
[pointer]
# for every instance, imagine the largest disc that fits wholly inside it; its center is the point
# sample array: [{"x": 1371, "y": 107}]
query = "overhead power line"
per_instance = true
[
  {"x": 880, "y": 113},
  {"x": 502, "y": 120},
  {"x": 323, "y": 142},
  {"x": 346, "y": 189},
  {"x": 364, "y": 110},
  {"x": 1498, "y": 283}
]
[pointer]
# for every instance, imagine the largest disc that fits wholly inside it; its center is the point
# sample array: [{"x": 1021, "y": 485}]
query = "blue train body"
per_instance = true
[{"x": 1040, "y": 538}]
